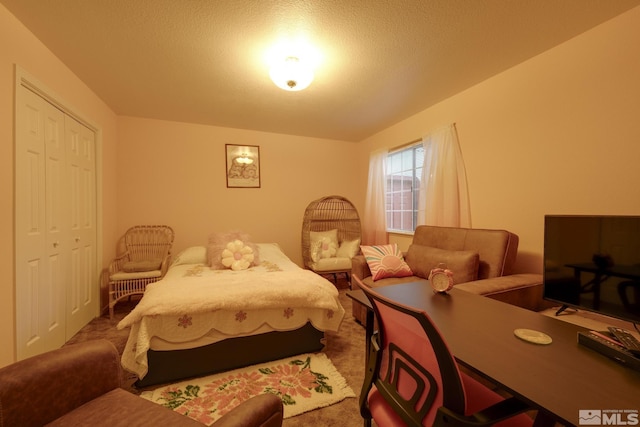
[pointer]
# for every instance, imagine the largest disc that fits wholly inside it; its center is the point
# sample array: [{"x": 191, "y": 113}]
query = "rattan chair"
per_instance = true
[
  {"x": 145, "y": 260},
  {"x": 323, "y": 215}
]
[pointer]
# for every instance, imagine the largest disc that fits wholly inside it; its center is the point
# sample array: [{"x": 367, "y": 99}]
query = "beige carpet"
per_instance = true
[{"x": 345, "y": 349}]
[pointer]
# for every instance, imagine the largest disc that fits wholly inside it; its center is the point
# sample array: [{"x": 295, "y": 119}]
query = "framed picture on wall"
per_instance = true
[{"x": 243, "y": 166}]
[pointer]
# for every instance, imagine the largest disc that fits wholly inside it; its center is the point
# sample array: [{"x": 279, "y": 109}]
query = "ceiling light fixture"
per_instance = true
[{"x": 291, "y": 74}]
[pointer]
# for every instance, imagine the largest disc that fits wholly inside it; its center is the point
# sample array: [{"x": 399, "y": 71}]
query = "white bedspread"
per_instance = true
[{"x": 193, "y": 302}]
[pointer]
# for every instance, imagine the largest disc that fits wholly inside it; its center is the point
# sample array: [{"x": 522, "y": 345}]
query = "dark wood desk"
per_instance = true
[{"x": 560, "y": 378}]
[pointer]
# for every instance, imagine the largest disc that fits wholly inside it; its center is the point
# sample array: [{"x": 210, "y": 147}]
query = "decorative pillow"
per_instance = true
[
  {"x": 464, "y": 264},
  {"x": 386, "y": 261},
  {"x": 324, "y": 244},
  {"x": 237, "y": 255},
  {"x": 316, "y": 250},
  {"x": 328, "y": 248},
  {"x": 218, "y": 243},
  {"x": 348, "y": 248},
  {"x": 137, "y": 266},
  {"x": 192, "y": 255}
]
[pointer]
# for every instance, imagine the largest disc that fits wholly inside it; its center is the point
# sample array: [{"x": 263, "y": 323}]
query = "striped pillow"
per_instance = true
[{"x": 386, "y": 261}]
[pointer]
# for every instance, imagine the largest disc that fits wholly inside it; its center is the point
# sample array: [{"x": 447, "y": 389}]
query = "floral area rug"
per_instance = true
[{"x": 304, "y": 383}]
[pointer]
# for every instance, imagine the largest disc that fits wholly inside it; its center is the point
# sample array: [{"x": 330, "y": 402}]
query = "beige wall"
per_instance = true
[
  {"x": 19, "y": 46},
  {"x": 558, "y": 134},
  {"x": 174, "y": 173}
]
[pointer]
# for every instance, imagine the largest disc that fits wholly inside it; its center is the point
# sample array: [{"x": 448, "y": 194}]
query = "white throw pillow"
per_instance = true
[
  {"x": 348, "y": 248},
  {"x": 324, "y": 244},
  {"x": 328, "y": 248},
  {"x": 192, "y": 255},
  {"x": 316, "y": 251}
]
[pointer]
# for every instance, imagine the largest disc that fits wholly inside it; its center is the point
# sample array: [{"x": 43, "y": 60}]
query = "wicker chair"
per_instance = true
[
  {"x": 324, "y": 215},
  {"x": 145, "y": 260}
]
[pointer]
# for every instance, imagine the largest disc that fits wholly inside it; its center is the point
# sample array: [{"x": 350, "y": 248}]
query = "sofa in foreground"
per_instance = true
[
  {"x": 80, "y": 385},
  {"x": 482, "y": 261}
]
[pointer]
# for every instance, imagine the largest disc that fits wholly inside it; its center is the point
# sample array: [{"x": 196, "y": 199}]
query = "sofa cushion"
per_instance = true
[
  {"x": 332, "y": 264},
  {"x": 392, "y": 281},
  {"x": 386, "y": 261},
  {"x": 497, "y": 249},
  {"x": 137, "y": 266},
  {"x": 135, "y": 276},
  {"x": 498, "y": 285},
  {"x": 463, "y": 264}
]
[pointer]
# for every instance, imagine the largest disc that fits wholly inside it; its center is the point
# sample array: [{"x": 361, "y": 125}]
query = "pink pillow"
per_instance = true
[
  {"x": 218, "y": 242},
  {"x": 386, "y": 261}
]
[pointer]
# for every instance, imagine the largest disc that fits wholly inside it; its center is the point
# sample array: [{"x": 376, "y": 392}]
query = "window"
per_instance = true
[{"x": 404, "y": 170}]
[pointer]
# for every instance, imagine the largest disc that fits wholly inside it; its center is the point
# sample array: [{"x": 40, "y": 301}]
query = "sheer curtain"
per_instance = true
[
  {"x": 444, "y": 197},
  {"x": 374, "y": 221}
]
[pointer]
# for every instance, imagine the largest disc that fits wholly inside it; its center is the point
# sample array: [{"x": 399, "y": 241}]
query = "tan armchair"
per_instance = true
[
  {"x": 81, "y": 385},
  {"x": 145, "y": 260},
  {"x": 495, "y": 251}
]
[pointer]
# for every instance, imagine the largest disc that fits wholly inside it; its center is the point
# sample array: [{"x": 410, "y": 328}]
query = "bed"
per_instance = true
[{"x": 198, "y": 320}]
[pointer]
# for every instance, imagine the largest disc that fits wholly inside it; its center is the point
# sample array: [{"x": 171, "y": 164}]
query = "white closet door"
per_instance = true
[
  {"x": 57, "y": 287},
  {"x": 40, "y": 230},
  {"x": 83, "y": 291}
]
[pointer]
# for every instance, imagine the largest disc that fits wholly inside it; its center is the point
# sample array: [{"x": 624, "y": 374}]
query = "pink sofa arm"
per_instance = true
[
  {"x": 38, "y": 390},
  {"x": 69, "y": 385},
  {"x": 265, "y": 410}
]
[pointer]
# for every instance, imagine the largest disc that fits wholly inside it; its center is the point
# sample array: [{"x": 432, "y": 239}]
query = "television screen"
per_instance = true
[{"x": 593, "y": 263}]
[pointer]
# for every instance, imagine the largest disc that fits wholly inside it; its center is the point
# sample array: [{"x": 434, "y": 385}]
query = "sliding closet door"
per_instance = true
[{"x": 41, "y": 261}]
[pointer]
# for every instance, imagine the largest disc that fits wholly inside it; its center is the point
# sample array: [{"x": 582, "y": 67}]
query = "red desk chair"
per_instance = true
[{"x": 412, "y": 378}]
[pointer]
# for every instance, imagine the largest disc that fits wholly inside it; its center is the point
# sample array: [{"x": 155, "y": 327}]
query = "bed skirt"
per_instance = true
[{"x": 232, "y": 353}]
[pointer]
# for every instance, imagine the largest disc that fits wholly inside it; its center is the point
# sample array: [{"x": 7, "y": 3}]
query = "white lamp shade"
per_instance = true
[{"x": 291, "y": 74}]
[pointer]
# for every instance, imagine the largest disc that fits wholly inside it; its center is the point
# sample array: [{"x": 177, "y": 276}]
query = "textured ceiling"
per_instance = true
[{"x": 202, "y": 61}]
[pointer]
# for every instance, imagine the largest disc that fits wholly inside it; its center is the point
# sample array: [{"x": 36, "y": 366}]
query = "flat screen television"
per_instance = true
[{"x": 593, "y": 263}]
